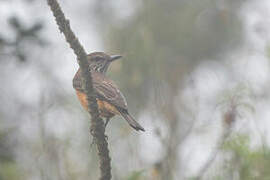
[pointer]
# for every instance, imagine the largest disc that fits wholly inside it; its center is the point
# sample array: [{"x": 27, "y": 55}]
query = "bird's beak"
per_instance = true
[{"x": 115, "y": 57}]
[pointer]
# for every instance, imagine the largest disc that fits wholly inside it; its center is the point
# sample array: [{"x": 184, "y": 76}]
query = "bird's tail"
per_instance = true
[{"x": 131, "y": 121}]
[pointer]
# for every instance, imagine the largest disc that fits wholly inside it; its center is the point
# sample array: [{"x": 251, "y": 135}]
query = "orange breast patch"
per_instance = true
[{"x": 105, "y": 108}]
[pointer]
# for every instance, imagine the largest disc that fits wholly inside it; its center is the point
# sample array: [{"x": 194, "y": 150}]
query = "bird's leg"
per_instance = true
[
  {"x": 92, "y": 133},
  {"x": 107, "y": 121}
]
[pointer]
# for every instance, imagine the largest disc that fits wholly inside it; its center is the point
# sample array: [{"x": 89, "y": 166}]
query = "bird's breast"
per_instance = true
[{"x": 106, "y": 109}]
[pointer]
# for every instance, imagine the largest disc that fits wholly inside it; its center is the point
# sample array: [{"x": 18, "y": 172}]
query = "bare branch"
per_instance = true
[
  {"x": 97, "y": 125},
  {"x": 228, "y": 121},
  {"x": 214, "y": 154}
]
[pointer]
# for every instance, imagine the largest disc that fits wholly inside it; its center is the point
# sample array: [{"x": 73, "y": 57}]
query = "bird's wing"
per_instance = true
[{"x": 108, "y": 91}]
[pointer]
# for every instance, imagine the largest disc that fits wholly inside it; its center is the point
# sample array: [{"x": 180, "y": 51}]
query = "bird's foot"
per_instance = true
[
  {"x": 106, "y": 123},
  {"x": 93, "y": 137},
  {"x": 106, "y": 137}
]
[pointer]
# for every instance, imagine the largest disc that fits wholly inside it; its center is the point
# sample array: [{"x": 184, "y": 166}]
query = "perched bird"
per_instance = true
[{"x": 110, "y": 100}]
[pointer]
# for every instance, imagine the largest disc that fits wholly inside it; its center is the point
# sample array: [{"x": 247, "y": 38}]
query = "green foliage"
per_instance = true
[
  {"x": 249, "y": 163},
  {"x": 9, "y": 171},
  {"x": 8, "y": 167},
  {"x": 5, "y": 155},
  {"x": 239, "y": 145},
  {"x": 137, "y": 175}
]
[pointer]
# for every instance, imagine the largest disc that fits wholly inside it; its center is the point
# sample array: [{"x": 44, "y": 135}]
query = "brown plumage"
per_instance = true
[{"x": 110, "y": 100}]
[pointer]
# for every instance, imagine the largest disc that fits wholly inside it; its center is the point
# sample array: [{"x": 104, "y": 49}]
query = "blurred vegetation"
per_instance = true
[
  {"x": 163, "y": 44},
  {"x": 135, "y": 176},
  {"x": 164, "y": 41},
  {"x": 13, "y": 46},
  {"x": 8, "y": 167},
  {"x": 22, "y": 36},
  {"x": 246, "y": 162}
]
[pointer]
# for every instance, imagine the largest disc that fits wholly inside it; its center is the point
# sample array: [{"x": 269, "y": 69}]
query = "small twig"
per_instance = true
[
  {"x": 97, "y": 125},
  {"x": 214, "y": 154},
  {"x": 228, "y": 121}
]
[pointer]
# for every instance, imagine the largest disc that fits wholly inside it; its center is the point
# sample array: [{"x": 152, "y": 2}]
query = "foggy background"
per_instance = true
[{"x": 195, "y": 74}]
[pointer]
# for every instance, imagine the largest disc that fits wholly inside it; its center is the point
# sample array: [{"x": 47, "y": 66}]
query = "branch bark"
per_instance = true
[{"x": 97, "y": 124}]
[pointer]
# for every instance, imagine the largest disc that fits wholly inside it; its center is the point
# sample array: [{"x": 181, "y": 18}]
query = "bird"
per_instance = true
[{"x": 109, "y": 98}]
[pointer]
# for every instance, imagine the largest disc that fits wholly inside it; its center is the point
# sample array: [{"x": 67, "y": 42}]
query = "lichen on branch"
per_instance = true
[{"x": 97, "y": 125}]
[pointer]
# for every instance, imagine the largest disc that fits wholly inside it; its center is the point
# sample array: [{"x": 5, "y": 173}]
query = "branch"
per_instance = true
[
  {"x": 214, "y": 154},
  {"x": 228, "y": 120},
  {"x": 97, "y": 125}
]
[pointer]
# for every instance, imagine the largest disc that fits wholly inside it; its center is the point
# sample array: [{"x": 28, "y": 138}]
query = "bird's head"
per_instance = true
[{"x": 99, "y": 61}]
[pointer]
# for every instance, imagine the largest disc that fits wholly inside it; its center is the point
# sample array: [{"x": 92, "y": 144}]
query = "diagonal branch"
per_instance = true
[
  {"x": 97, "y": 125},
  {"x": 214, "y": 154},
  {"x": 229, "y": 118}
]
